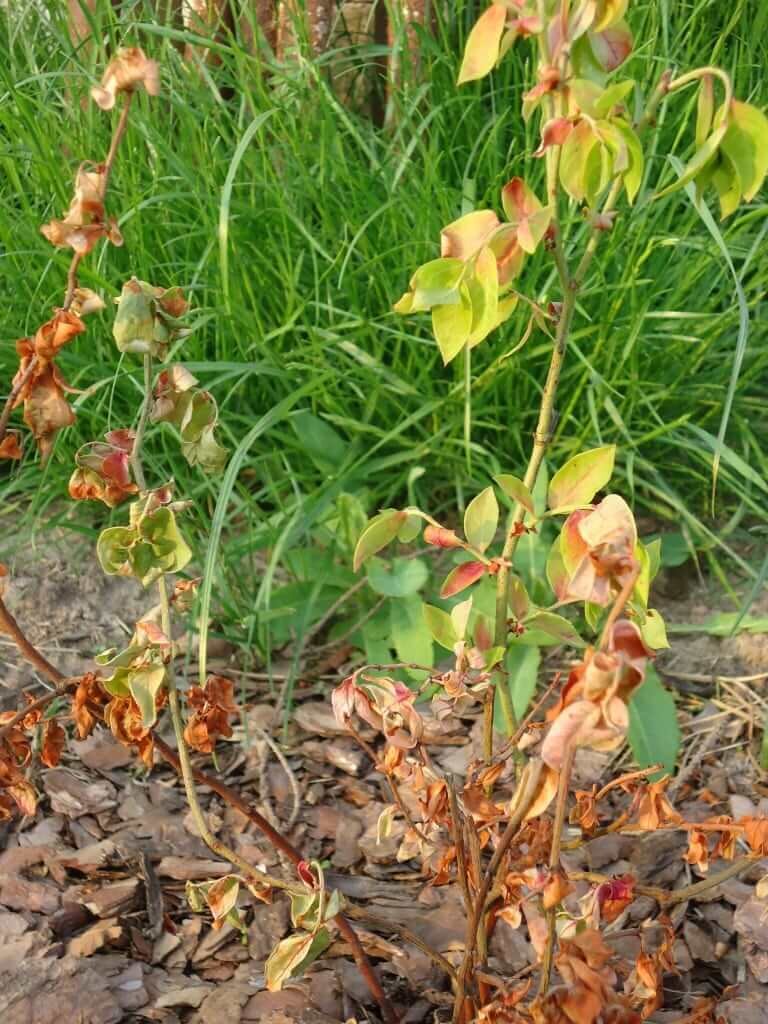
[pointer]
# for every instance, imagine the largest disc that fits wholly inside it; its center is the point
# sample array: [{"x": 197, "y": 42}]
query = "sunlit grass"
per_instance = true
[{"x": 294, "y": 225}]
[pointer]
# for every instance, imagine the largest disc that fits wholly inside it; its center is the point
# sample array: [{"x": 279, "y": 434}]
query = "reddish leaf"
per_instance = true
[
  {"x": 554, "y": 133},
  {"x": 463, "y": 576}
]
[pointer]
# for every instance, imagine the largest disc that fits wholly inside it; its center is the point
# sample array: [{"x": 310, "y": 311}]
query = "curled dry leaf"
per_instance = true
[
  {"x": 88, "y": 694},
  {"x": 103, "y": 470},
  {"x": 85, "y": 222},
  {"x": 10, "y": 446},
  {"x": 212, "y": 706},
  {"x": 52, "y": 743},
  {"x": 40, "y": 386},
  {"x": 124, "y": 717},
  {"x": 128, "y": 71},
  {"x": 598, "y": 551}
]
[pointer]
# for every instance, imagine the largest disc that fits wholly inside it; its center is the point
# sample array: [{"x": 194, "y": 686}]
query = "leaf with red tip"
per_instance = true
[
  {"x": 463, "y": 576},
  {"x": 464, "y": 237},
  {"x": 554, "y": 133}
]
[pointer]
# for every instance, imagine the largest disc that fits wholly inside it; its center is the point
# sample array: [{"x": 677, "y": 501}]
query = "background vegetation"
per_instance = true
[{"x": 292, "y": 222}]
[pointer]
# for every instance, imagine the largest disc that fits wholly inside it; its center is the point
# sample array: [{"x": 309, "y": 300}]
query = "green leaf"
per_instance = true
[
  {"x": 697, "y": 163},
  {"x": 436, "y": 284},
  {"x": 382, "y": 529},
  {"x": 145, "y": 684},
  {"x": 324, "y": 445},
  {"x": 516, "y": 490},
  {"x": 633, "y": 175},
  {"x": 653, "y": 550},
  {"x": 460, "y": 617},
  {"x": 440, "y": 625},
  {"x": 112, "y": 548},
  {"x": 745, "y": 143},
  {"x": 574, "y": 155},
  {"x": 451, "y": 326},
  {"x": 654, "y": 631},
  {"x": 410, "y": 529},
  {"x": 411, "y": 640},
  {"x": 481, "y": 519},
  {"x": 405, "y": 576},
  {"x": 724, "y": 624},
  {"x": 291, "y": 957},
  {"x": 522, "y": 665},
  {"x": 674, "y": 549},
  {"x": 483, "y": 288},
  {"x": 555, "y": 628},
  {"x": 612, "y": 96},
  {"x": 705, "y": 109},
  {"x": 577, "y": 482},
  {"x": 654, "y": 734},
  {"x": 519, "y": 602}
]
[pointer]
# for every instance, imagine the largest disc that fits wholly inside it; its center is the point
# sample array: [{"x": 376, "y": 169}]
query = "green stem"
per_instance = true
[
  {"x": 697, "y": 74},
  {"x": 541, "y": 440},
  {"x": 146, "y": 405}
]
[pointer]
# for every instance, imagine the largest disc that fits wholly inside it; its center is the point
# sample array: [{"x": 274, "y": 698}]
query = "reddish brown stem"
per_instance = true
[{"x": 9, "y": 625}]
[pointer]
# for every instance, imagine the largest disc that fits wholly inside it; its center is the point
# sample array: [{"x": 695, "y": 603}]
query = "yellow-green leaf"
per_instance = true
[
  {"x": 577, "y": 482},
  {"x": 382, "y": 529},
  {"x": 483, "y": 44},
  {"x": 481, "y": 519}
]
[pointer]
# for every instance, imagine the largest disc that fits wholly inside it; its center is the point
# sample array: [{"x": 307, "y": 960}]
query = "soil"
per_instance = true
[{"x": 94, "y": 924}]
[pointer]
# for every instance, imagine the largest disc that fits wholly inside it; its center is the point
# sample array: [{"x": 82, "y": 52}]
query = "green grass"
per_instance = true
[{"x": 294, "y": 224}]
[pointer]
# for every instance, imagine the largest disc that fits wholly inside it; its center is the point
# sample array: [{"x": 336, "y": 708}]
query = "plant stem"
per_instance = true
[
  {"x": 699, "y": 73},
  {"x": 146, "y": 405},
  {"x": 554, "y": 862},
  {"x": 10, "y": 626},
  {"x": 523, "y": 798},
  {"x": 74, "y": 265}
]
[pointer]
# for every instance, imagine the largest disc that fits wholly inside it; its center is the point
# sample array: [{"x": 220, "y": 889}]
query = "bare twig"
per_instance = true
[{"x": 554, "y": 862}]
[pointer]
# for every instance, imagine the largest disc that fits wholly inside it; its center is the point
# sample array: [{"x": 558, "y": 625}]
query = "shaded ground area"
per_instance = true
[{"x": 94, "y": 924}]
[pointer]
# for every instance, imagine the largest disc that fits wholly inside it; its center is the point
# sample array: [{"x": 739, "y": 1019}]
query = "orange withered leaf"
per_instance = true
[
  {"x": 55, "y": 333},
  {"x": 614, "y": 897},
  {"x": 129, "y": 69},
  {"x": 10, "y": 446},
  {"x": 52, "y": 743},
  {"x": 85, "y": 221},
  {"x": 89, "y": 692},
  {"x": 698, "y": 850},
  {"x": 556, "y": 889},
  {"x": 123, "y": 716},
  {"x": 756, "y": 834},
  {"x": 654, "y": 810},
  {"x": 585, "y": 813},
  {"x": 212, "y": 705}
]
